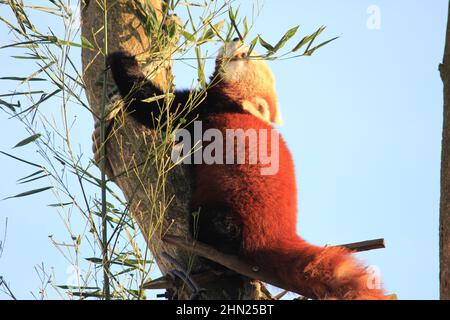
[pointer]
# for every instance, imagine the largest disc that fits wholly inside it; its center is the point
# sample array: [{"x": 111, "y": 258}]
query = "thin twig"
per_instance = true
[
  {"x": 4, "y": 284},
  {"x": 104, "y": 227},
  {"x": 181, "y": 272}
]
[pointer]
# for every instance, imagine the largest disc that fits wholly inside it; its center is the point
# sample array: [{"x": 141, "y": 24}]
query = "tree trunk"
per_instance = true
[
  {"x": 444, "y": 236},
  {"x": 129, "y": 150}
]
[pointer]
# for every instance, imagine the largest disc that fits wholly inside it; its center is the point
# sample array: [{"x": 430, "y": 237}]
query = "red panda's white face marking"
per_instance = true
[{"x": 248, "y": 80}]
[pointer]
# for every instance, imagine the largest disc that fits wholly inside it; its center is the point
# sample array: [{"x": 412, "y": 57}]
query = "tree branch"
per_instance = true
[
  {"x": 240, "y": 265},
  {"x": 365, "y": 245},
  {"x": 444, "y": 218}
]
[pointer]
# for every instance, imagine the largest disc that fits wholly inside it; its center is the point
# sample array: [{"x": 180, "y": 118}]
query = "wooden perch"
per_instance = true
[
  {"x": 240, "y": 265},
  {"x": 231, "y": 262},
  {"x": 365, "y": 245}
]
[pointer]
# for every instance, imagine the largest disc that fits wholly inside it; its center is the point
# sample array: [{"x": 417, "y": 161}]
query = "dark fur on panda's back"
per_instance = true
[{"x": 135, "y": 87}]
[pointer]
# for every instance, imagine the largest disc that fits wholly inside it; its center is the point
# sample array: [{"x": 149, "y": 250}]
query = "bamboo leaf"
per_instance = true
[
  {"x": 55, "y": 205},
  {"x": 21, "y": 79},
  {"x": 252, "y": 45},
  {"x": 31, "y": 175},
  {"x": 33, "y": 76},
  {"x": 135, "y": 263},
  {"x": 13, "y": 94},
  {"x": 89, "y": 294},
  {"x": 68, "y": 287},
  {"x": 311, "y": 51},
  {"x": 287, "y": 36},
  {"x": 95, "y": 260},
  {"x": 60, "y": 160},
  {"x": 86, "y": 44},
  {"x": 308, "y": 39},
  {"x": 34, "y": 179},
  {"x": 245, "y": 24},
  {"x": 266, "y": 45},
  {"x": 43, "y": 98},
  {"x": 188, "y": 36},
  {"x": 131, "y": 269},
  {"x": 28, "y": 140},
  {"x": 200, "y": 68},
  {"x": 28, "y": 193},
  {"x": 30, "y": 57},
  {"x": 22, "y": 160},
  {"x": 212, "y": 31},
  {"x": 10, "y": 106},
  {"x": 156, "y": 98},
  {"x": 233, "y": 15}
]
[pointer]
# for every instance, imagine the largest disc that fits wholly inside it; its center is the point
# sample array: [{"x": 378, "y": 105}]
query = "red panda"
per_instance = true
[{"x": 241, "y": 210}]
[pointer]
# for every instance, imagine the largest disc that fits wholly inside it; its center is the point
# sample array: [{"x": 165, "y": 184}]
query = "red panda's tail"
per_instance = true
[{"x": 322, "y": 272}]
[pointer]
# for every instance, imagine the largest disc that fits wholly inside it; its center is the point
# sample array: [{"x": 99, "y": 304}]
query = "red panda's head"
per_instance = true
[{"x": 249, "y": 80}]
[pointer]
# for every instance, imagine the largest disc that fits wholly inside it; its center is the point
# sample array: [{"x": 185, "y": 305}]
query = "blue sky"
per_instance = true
[{"x": 363, "y": 119}]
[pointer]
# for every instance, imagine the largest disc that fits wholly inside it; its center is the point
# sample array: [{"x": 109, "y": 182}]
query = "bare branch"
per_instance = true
[
  {"x": 365, "y": 245},
  {"x": 242, "y": 266},
  {"x": 7, "y": 289}
]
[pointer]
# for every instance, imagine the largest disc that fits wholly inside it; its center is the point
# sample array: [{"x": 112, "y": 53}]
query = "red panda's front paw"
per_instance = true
[{"x": 122, "y": 61}]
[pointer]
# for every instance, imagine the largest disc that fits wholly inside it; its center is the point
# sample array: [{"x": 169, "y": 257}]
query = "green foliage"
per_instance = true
[
  {"x": 28, "y": 140},
  {"x": 29, "y": 193}
]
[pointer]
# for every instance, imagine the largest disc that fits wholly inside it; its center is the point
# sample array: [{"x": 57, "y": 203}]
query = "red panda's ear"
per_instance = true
[
  {"x": 257, "y": 107},
  {"x": 276, "y": 116},
  {"x": 261, "y": 108}
]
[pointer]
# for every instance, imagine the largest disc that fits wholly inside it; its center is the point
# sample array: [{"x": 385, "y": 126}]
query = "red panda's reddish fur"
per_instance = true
[
  {"x": 263, "y": 207},
  {"x": 266, "y": 207}
]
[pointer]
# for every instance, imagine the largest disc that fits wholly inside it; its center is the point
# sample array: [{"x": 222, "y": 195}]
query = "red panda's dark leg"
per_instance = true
[
  {"x": 217, "y": 227},
  {"x": 135, "y": 87}
]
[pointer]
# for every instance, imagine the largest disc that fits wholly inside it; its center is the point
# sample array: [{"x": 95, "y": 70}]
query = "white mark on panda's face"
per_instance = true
[
  {"x": 235, "y": 65},
  {"x": 251, "y": 78},
  {"x": 233, "y": 50},
  {"x": 231, "y": 60}
]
